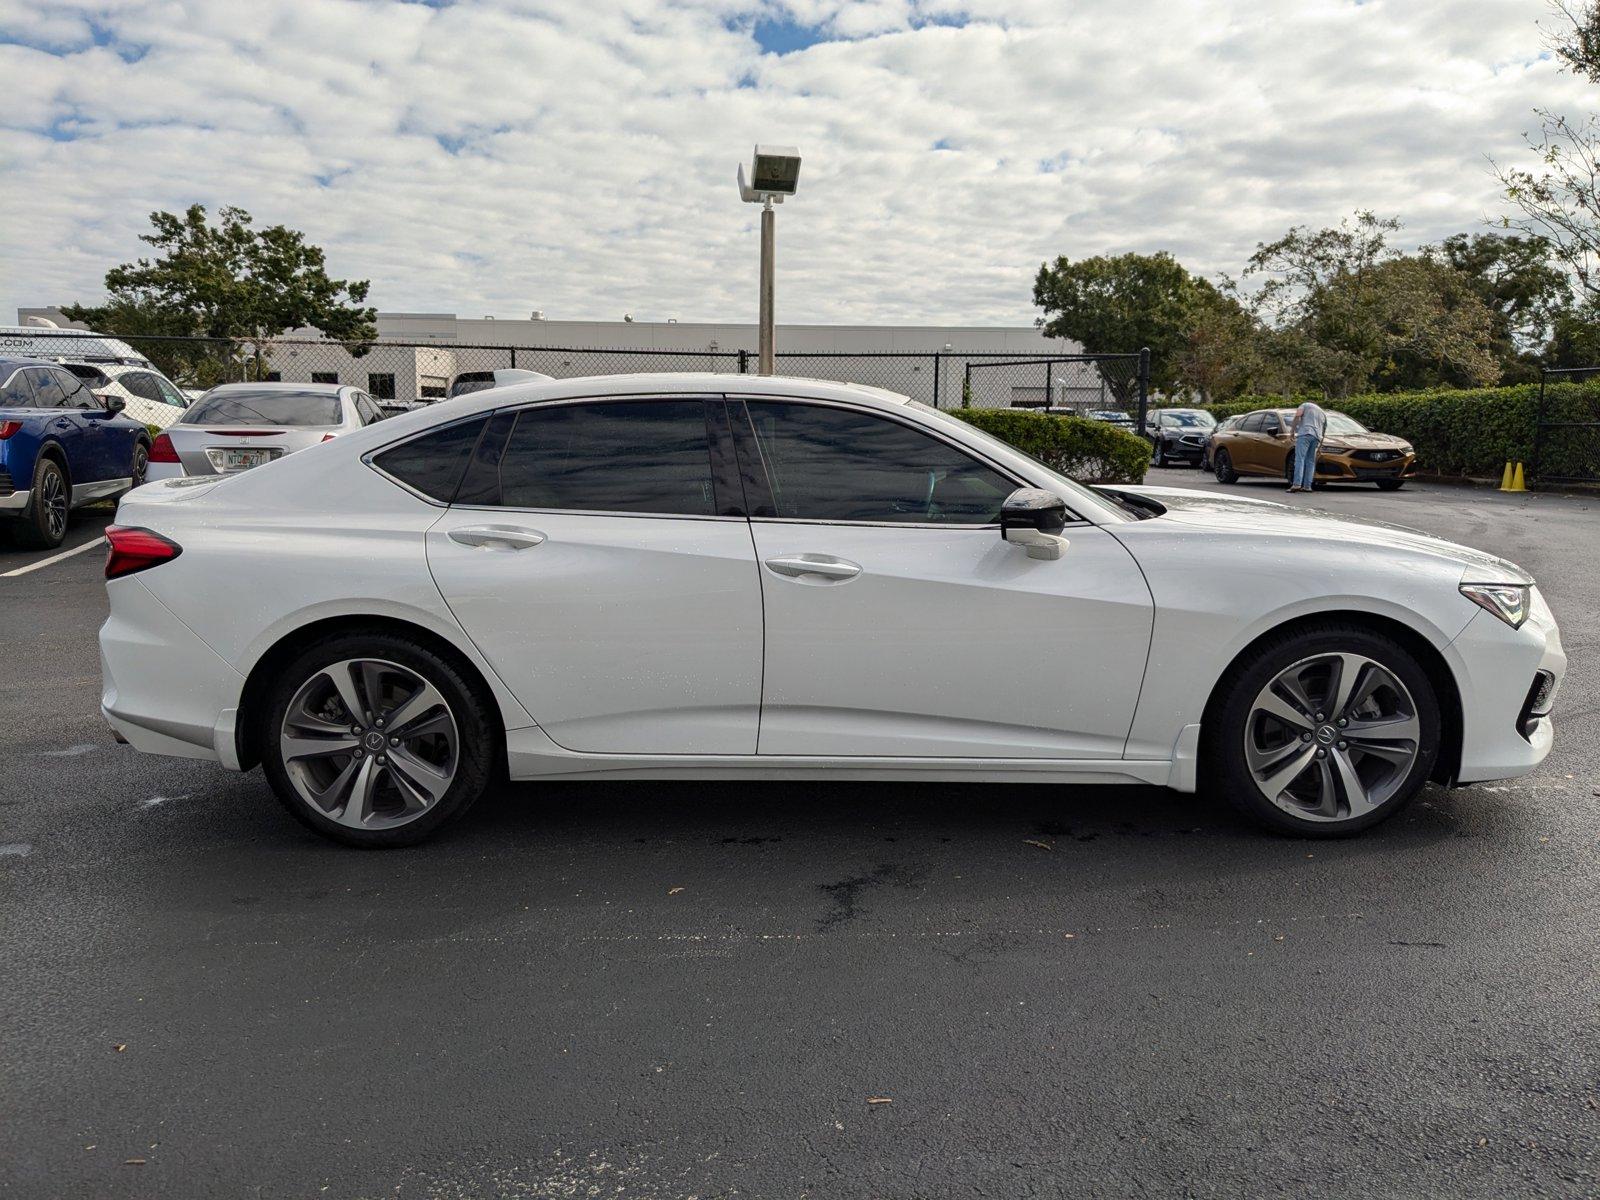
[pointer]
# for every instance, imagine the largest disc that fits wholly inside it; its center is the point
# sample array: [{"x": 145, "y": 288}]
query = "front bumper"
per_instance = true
[
  {"x": 163, "y": 690},
  {"x": 16, "y": 503},
  {"x": 1349, "y": 466},
  {"x": 1495, "y": 669}
]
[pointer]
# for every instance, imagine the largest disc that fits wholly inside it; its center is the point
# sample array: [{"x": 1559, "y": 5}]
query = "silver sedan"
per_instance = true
[{"x": 242, "y": 425}]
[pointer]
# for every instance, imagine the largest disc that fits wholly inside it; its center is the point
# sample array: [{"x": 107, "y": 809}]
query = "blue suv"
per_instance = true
[{"x": 60, "y": 446}]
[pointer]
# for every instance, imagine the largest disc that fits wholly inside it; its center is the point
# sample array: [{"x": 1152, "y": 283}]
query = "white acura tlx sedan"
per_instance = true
[{"x": 692, "y": 576}]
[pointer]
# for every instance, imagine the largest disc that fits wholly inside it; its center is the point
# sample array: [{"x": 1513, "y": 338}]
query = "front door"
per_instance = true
[
  {"x": 899, "y": 623},
  {"x": 605, "y": 570}
]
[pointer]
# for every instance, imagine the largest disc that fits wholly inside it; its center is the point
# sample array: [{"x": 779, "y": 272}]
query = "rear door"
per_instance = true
[
  {"x": 597, "y": 554},
  {"x": 900, "y": 624}
]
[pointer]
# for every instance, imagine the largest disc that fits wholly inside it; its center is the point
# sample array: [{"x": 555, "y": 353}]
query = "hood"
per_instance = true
[
  {"x": 1364, "y": 441},
  {"x": 1267, "y": 519}
]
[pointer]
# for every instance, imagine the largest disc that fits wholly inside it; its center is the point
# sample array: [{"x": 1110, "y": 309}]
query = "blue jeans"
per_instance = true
[{"x": 1305, "y": 459}]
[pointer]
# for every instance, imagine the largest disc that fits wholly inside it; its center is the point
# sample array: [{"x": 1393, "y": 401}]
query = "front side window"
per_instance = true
[
  {"x": 837, "y": 464},
  {"x": 624, "y": 456},
  {"x": 77, "y": 395},
  {"x": 47, "y": 389}
]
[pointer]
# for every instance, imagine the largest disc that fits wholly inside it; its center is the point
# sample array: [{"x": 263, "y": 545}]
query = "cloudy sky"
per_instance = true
[{"x": 496, "y": 156}]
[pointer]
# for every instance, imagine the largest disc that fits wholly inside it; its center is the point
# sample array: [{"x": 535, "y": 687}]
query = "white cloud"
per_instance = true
[{"x": 498, "y": 156}]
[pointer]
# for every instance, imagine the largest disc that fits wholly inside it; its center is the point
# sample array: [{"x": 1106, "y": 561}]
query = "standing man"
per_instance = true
[{"x": 1310, "y": 423}]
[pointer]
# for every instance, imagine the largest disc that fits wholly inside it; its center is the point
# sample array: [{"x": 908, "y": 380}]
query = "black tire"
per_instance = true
[
  {"x": 1390, "y": 485},
  {"x": 1224, "y": 767},
  {"x": 1159, "y": 459},
  {"x": 44, "y": 525},
  {"x": 1223, "y": 467},
  {"x": 141, "y": 462},
  {"x": 477, "y": 727}
]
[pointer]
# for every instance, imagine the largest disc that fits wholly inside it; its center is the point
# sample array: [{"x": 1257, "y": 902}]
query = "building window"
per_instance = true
[
  {"x": 432, "y": 391},
  {"x": 272, "y": 377},
  {"x": 324, "y": 377},
  {"x": 381, "y": 386}
]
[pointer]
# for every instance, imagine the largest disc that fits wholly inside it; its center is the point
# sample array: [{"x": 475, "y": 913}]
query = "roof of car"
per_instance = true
[
  {"x": 328, "y": 389},
  {"x": 10, "y": 362},
  {"x": 675, "y": 383}
]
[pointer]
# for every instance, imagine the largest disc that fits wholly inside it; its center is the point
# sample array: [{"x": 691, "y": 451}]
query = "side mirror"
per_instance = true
[
  {"x": 114, "y": 405},
  {"x": 1034, "y": 518}
]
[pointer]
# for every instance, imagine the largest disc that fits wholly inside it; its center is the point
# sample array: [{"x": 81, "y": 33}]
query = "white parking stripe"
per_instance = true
[{"x": 54, "y": 558}]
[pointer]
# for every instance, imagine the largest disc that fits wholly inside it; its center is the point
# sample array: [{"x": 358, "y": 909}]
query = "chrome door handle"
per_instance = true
[
  {"x": 824, "y": 565},
  {"x": 496, "y": 537}
]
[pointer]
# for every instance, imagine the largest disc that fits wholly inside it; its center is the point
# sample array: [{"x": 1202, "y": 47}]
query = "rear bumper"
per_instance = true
[
  {"x": 163, "y": 690},
  {"x": 160, "y": 470}
]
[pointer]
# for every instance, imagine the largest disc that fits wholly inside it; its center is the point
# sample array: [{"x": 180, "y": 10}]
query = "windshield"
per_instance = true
[
  {"x": 1188, "y": 418},
  {"x": 1339, "y": 423},
  {"x": 1080, "y": 497},
  {"x": 276, "y": 407}
]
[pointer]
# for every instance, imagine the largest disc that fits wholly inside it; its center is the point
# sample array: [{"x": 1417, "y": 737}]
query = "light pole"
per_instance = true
[{"x": 774, "y": 174}]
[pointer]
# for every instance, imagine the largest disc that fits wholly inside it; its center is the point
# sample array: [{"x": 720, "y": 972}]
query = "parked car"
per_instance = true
[
  {"x": 109, "y": 366},
  {"x": 61, "y": 446},
  {"x": 1210, "y": 437},
  {"x": 1262, "y": 444},
  {"x": 241, "y": 425},
  {"x": 147, "y": 394},
  {"x": 468, "y": 382},
  {"x": 1111, "y": 416},
  {"x": 1178, "y": 434},
  {"x": 693, "y": 576}
]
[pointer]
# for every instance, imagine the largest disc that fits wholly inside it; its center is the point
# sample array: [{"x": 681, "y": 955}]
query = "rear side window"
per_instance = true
[
  {"x": 836, "y": 464},
  {"x": 626, "y": 456},
  {"x": 265, "y": 408},
  {"x": 432, "y": 464}
]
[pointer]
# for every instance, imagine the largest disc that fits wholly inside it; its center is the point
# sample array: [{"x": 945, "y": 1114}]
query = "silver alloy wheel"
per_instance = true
[
  {"x": 1332, "y": 737},
  {"x": 369, "y": 743},
  {"x": 53, "y": 496}
]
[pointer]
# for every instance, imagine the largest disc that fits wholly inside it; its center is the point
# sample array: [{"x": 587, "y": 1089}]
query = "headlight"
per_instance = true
[
  {"x": 1336, "y": 447},
  {"x": 1407, "y": 448},
  {"x": 1508, "y": 601}
]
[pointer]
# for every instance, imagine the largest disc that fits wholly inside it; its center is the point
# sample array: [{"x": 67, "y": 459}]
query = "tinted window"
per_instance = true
[
  {"x": 641, "y": 456},
  {"x": 833, "y": 464},
  {"x": 47, "y": 389},
  {"x": 265, "y": 408},
  {"x": 170, "y": 394},
  {"x": 142, "y": 385},
  {"x": 93, "y": 376},
  {"x": 368, "y": 410},
  {"x": 1252, "y": 422},
  {"x": 77, "y": 396},
  {"x": 433, "y": 462},
  {"x": 18, "y": 392}
]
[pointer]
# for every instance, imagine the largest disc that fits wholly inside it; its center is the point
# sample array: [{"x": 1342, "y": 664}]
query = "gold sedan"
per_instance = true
[{"x": 1260, "y": 443}]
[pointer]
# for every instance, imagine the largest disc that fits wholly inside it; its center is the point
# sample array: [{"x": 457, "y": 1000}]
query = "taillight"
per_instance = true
[
  {"x": 130, "y": 549},
  {"x": 162, "y": 451},
  {"x": 7, "y": 428},
  {"x": 328, "y": 437}
]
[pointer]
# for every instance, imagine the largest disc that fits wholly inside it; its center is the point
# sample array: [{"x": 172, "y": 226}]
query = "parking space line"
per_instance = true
[{"x": 54, "y": 558}]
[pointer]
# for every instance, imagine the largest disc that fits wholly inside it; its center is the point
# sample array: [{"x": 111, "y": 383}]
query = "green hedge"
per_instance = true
[
  {"x": 1471, "y": 431},
  {"x": 1081, "y": 449}
]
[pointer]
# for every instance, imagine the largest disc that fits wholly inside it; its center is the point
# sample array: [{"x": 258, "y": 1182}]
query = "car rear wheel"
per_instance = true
[
  {"x": 376, "y": 740},
  {"x": 44, "y": 525},
  {"x": 1160, "y": 457},
  {"x": 1224, "y": 467},
  {"x": 1325, "y": 732},
  {"x": 141, "y": 463}
]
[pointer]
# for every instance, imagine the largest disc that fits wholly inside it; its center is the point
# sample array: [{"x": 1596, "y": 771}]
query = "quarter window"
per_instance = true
[
  {"x": 633, "y": 456},
  {"x": 18, "y": 392},
  {"x": 432, "y": 463},
  {"x": 836, "y": 464}
]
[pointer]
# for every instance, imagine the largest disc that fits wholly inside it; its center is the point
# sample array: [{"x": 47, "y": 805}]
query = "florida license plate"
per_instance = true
[{"x": 243, "y": 460}]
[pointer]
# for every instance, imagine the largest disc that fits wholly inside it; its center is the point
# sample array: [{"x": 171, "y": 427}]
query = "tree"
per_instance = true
[
  {"x": 228, "y": 280},
  {"x": 1559, "y": 201},
  {"x": 1523, "y": 287},
  {"x": 1353, "y": 312},
  {"x": 1119, "y": 304}
]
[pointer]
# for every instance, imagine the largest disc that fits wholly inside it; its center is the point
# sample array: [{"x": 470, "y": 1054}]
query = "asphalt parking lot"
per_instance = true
[{"x": 673, "y": 990}]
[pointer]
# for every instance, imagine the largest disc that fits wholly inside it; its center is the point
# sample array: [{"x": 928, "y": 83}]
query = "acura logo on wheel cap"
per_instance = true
[
  {"x": 373, "y": 740},
  {"x": 1326, "y": 734}
]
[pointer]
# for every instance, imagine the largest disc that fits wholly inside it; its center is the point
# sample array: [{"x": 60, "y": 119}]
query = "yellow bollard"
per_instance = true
[
  {"x": 1505, "y": 479},
  {"x": 1517, "y": 484}
]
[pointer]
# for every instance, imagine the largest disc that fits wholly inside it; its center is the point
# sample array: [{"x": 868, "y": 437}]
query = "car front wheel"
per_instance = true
[
  {"x": 376, "y": 740},
  {"x": 1325, "y": 732}
]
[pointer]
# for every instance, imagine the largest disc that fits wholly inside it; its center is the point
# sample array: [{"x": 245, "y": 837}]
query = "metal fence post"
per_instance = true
[
  {"x": 938, "y": 369},
  {"x": 1144, "y": 385},
  {"x": 513, "y": 358},
  {"x": 1538, "y": 427},
  {"x": 1049, "y": 379},
  {"x": 744, "y": 362},
  {"x": 966, "y": 387}
]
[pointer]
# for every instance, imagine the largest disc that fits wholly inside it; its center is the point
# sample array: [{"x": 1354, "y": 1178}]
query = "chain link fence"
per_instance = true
[
  {"x": 408, "y": 373},
  {"x": 1566, "y": 441}
]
